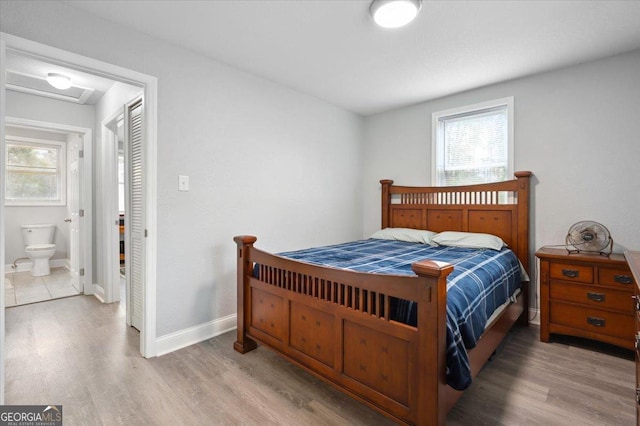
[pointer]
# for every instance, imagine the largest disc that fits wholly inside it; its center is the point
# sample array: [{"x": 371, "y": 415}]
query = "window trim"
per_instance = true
[
  {"x": 61, "y": 174},
  {"x": 439, "y": 116}
]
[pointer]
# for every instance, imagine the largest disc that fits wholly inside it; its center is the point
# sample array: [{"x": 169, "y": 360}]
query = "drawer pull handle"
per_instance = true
[
  {"x": 596, "y": 322},
  {"x": 571, "y": 273},
  {"x": 622, "y": 279},
  {"x": 596, "y": 297}
]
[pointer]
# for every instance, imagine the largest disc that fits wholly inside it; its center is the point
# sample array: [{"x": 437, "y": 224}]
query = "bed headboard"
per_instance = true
[{"x": 500, "y": 208}]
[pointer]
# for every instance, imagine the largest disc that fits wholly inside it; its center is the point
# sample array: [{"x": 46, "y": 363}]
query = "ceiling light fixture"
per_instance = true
[
  {"x": 394, "y": 13},
  {"x": 59, "y": 81}
]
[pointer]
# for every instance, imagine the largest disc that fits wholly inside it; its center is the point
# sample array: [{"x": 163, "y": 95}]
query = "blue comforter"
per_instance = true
[{"x": 482, "y": 280}]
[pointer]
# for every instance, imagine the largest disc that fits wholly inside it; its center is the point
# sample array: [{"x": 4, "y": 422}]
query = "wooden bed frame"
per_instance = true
[{"x": 335, "y": 323}]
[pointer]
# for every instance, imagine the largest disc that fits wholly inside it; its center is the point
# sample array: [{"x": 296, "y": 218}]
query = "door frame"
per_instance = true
[
  {"x": 110, "y": 208},
  {"x": 3, "y": 345},
  {"x": 149, "y": 86},
  {"x": 86, "y": 192}
]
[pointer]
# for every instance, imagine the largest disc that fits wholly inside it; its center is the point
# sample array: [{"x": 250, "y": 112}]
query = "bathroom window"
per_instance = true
[{"x": 35, "y": 172}]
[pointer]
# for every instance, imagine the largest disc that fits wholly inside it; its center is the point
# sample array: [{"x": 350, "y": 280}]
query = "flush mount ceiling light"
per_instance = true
[
  {"x": 394, "y": 13},
  {"x": 59, "y": 81}
]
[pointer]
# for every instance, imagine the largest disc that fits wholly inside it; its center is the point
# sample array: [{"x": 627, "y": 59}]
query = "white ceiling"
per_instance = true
[
  {"x": 332, "y": 50},
  {"x": 28, "y": 74}
]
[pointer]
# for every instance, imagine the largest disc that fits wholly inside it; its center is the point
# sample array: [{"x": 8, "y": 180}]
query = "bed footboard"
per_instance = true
[{"x": 336, "y": 324}]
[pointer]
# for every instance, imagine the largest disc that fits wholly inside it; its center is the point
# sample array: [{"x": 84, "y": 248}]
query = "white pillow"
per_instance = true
[
  {"x": 405, "y": 234},
  {"x": 468, "y": 239}
]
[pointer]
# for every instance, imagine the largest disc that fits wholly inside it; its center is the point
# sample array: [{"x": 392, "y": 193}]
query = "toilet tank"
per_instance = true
[{"x": 38, "y": 234}]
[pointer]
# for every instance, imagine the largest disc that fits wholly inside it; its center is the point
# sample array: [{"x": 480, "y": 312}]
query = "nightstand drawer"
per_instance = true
[
  {"x": 616, "y": 277},
  {"x": 597, "y": 297},
  {"x": 593, "y": 320},
  {"x": 570, "y": 272}
]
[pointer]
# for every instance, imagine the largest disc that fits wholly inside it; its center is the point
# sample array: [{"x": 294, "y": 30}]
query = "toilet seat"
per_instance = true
[{"x": 40, "y": 247}]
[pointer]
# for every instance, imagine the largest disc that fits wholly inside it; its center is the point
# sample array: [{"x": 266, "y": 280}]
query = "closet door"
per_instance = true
[{"x": 135, "y": 212}]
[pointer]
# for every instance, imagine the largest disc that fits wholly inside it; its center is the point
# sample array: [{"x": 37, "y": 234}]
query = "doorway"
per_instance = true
[
  {"x": 148, "y": 86},
  {"x": 114, "y": 205},
  {"x": 29, "y": 141}
]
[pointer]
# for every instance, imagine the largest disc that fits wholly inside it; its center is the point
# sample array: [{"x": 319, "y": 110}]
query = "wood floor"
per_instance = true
[{"x": 79, "y": 353}]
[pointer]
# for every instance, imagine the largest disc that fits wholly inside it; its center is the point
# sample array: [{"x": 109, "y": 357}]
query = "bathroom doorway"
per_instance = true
[{"x": 39, "y": 155}]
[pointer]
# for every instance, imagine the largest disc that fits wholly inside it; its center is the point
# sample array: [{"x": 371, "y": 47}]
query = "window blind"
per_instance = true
[
  {"x": 473, "y": 147},
  {"x": 33, "y": 173}
]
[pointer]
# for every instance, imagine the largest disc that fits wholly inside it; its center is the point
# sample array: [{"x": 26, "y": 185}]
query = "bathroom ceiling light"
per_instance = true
[
  {"x": 59, "y": 81},
  {"x": 394, "y": 13}
]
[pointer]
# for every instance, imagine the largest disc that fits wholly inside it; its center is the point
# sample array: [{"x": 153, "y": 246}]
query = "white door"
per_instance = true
[
  {"x": 74, "y": 181},
  {"x": 135, "y": 232}
]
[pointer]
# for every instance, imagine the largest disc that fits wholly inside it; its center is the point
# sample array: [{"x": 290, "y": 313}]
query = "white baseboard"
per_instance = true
[
  {"x": 189, "y": 336},
  {"x": 535, "y": 314},
  {"x": 98, "y": 292},
  {"x": 26, "y": 265}
]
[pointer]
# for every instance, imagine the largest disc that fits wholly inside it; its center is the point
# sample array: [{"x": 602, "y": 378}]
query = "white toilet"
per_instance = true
[{"x": 38, "y": 240}]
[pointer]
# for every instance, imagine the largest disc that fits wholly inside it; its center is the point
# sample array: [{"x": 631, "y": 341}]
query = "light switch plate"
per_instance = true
[{"x": 183, "y": 183}]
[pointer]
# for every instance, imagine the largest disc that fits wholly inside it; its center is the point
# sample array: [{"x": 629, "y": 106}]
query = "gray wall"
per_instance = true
[
  {"x": 576, "y": 129},
  {"x": 262, "y": 159}
]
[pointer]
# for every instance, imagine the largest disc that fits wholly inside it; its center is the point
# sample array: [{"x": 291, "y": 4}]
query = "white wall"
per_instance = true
[
  {"x": 25, "y": 106},
  {"x": 261, "y": 159},
  {"x": 112, "y": 102},
  {"x": 576, "y": 129}
]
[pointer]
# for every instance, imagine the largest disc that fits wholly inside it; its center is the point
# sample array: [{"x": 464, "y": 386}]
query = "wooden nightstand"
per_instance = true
[{"x": 586, "y": 295}]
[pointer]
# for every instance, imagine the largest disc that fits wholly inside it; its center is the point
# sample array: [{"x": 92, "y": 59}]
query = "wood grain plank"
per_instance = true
[{"x": 98, "y": 376}]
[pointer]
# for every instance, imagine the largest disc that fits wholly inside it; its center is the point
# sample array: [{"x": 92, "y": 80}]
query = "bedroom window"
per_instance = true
[
  {"x": 473, "y": 144},
  {"x": 35, "y": 172}
]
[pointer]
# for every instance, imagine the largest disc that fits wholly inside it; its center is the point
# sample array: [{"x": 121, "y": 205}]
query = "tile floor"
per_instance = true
[{"x": 20, "y": 288}]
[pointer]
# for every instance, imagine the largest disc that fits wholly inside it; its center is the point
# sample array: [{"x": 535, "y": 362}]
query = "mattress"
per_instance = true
[{"x": 482, "y": 281}]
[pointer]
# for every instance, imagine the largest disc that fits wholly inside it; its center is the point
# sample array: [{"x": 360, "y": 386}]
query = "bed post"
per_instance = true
[
  {"x": 523, "y": 235},
  {"x": 523, "y": 216},
  {"x": 386, "y": 201},
  {"x": 431, "y": 380},
  {"x": 244, "y": 242}
]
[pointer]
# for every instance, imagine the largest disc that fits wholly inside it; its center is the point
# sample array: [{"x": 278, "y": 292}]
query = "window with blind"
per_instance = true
[
  {"x": 35, "y": 172},
  {"x": 473, "y": 144}
]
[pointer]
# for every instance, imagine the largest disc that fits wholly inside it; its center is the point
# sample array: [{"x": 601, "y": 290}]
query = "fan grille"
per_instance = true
[{"x": 589, "y": 237}]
